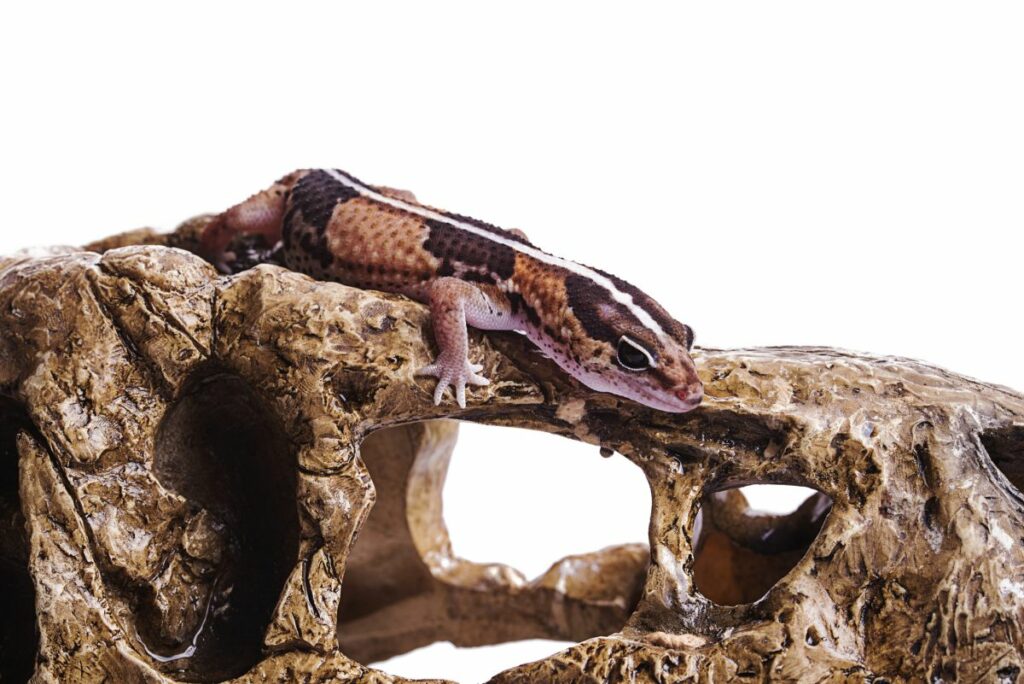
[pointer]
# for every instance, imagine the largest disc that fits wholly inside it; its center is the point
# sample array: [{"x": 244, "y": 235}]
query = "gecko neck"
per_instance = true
[{"x": 554, "y": 349}]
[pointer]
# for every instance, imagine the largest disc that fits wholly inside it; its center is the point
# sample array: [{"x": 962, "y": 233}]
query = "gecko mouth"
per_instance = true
[
  {"x": 680, "y": 401},
  {"x": 684, "y": 406}
]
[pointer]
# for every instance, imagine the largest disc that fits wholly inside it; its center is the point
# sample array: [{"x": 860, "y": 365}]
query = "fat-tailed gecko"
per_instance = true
[{"x": 600, "y": 329}]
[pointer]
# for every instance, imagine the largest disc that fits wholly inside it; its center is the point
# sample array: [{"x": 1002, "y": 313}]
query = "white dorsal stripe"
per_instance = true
[{"x": 616, "y": 294}]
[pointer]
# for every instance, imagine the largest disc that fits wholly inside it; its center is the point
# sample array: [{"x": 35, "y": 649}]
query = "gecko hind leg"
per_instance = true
[
  {"x": 249, "y": 232},
  {"x": 455, "y": 303}
]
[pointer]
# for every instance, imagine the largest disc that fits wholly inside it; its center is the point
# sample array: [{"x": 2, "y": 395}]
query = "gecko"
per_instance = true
[{"x": 598, "y": 328}]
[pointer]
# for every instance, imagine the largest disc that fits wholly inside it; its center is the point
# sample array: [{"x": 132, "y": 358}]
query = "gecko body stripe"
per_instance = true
[
  {"x": 318, "y": 194},
  {"x": 450, "y": 244},
  {"x": 621, "y": 297}
]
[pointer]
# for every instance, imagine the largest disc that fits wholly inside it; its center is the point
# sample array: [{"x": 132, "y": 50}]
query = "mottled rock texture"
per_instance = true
[{"x": 186, "y": 461}]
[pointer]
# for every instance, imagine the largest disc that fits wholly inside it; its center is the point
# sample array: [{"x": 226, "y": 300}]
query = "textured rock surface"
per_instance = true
[{"x": 183, "y": 474}]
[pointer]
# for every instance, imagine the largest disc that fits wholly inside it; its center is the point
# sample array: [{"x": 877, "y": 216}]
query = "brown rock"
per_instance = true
[{"x": 186, "y": 460}]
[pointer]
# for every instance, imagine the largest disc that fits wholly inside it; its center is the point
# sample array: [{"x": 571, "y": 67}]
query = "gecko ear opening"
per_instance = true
[{"x": 632, "y": 356}]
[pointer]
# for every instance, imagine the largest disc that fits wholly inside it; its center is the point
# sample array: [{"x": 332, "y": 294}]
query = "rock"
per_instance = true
[{"x": 187, "y": 459}]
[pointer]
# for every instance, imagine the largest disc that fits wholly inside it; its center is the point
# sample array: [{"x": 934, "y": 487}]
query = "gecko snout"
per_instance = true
[{"x": 691, "y": 395}]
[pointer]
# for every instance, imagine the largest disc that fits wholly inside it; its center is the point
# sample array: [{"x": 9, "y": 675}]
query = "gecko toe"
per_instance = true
[
  {"x": 442, "y": 385},
  {"x": 478, "y": 380},
  {"x": 428, "y": 370}
]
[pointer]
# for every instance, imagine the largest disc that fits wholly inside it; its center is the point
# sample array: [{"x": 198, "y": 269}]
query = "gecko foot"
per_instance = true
[{"x": 457, "y": 374}]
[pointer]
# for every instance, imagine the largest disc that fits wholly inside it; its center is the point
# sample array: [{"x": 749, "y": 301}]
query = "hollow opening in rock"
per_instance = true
[
  {"x": 224, "y": 450},
  {"x": 527, "y": 499},
  {"x": 1005, "y": 446},
  {"x": 444, "y": 660},
  {"x": 747, "y": 538},
  {"x": 19, "y": 639},
  {"x": 515, "y": 497}
]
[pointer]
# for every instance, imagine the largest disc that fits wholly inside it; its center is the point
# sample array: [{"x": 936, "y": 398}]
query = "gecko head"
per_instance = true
[
  {"x": 628, "y": 345},
  {"x": 656, "y": 371}
]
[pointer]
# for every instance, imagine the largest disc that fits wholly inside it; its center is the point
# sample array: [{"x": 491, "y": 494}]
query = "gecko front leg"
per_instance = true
[{"x": 455, "y": 303}]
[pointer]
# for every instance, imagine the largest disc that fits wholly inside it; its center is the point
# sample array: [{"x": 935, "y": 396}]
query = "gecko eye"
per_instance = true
[{"x": 632, "y": 356}]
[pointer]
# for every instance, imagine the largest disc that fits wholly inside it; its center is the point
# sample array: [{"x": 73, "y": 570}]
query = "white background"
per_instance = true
[{"x": 774, "y": 173}]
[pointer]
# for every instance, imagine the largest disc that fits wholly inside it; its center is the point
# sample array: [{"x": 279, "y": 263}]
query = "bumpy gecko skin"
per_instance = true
[{"x": 600, "y": 329}]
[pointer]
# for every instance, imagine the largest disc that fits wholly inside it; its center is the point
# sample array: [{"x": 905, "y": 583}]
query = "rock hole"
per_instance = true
[
  {"x": 476, "y": 664},
  {"x": 228, "y": 454},
  {"x": 1008, "y": 674},
  {"x": 515, "y": 503},
  {"x": 19, "y": 639},
  {"x": 1005, "y": 446},
  {"x": 526, "y": 499},
  {"x": 747, "y": 538}
]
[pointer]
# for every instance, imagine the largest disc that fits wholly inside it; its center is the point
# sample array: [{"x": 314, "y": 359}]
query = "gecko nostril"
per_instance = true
[{"x": 691, "y": 394}]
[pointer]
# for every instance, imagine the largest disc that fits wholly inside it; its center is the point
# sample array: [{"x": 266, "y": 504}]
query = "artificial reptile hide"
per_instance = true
[{"x": 186, "y": 461}]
